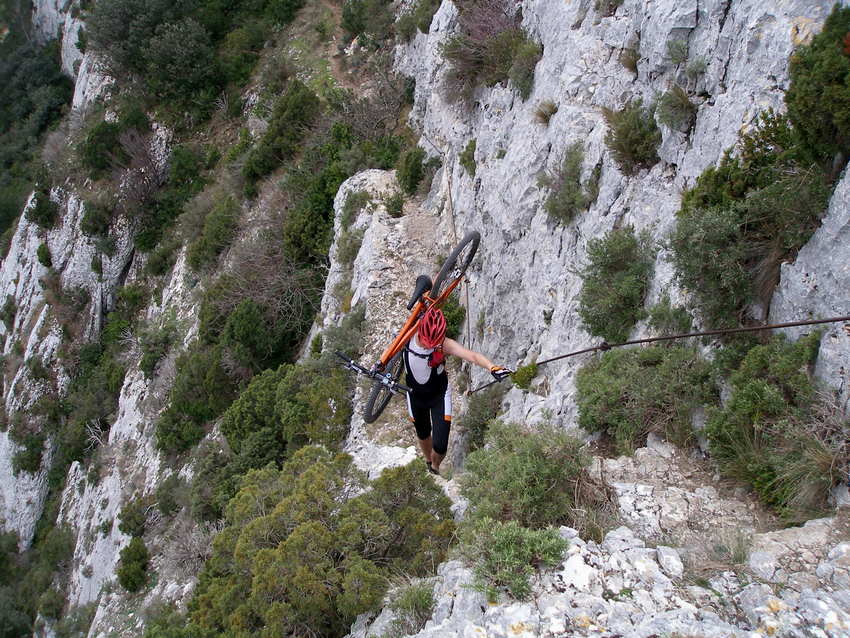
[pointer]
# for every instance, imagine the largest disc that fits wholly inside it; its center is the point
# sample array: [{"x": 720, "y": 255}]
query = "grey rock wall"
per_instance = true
[{"x": 525, "y": 279}]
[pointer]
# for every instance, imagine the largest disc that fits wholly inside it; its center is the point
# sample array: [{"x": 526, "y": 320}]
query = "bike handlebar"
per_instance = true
[{"x": 384, "y": 377}]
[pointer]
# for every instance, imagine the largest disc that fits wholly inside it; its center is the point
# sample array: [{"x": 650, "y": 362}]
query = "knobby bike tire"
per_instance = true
[
  {"x": 458, "y": 260},
  {"x": 380, "y": 395}
]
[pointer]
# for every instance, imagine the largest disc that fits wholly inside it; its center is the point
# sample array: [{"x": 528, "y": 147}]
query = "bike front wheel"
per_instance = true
[
  {"x": 380, "y": 395},
  {"x": 456, "y": 263}
]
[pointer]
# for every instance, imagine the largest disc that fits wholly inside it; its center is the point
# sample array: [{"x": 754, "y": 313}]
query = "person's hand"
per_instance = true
[{"x": 500, "y": 372}]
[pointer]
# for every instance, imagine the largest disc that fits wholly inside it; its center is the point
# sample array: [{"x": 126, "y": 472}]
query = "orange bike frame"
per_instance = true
[{"x": 413, "y": 319}]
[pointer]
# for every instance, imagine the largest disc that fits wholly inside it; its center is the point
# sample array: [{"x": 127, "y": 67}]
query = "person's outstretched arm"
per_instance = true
[{"x": 450, "y": 346}]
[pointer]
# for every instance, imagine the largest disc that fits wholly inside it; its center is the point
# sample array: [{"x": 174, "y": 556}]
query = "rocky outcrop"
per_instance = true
[
  {"x": 525, "y": 281},
  {"x": 621, "y": 587}
]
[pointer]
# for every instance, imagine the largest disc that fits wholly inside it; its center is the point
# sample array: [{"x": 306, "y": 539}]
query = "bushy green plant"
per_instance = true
[
  {"x": 96, "y": 219},
  {"x": 524, "y": 375},
  {"x": 307, "y": 553},
  {"x": 133, "y": 565},
  {"x": 567, "y": 196},
  {"x": 154, "y": 344},
  {"x": 536, "y": 477},
  {"x": 28, "y": 459},
  {"x": 675, "y": 109},
  {"x": 615, "y": 282},
  {"x": 181, "y": 61},
  {"x": 370, "y": 19},
  {"x": 412, "y": 607},
  {"x": 220, "y": 227},
  {"x": 51, "y": 604},
  {"x": 666, "y": 319},
  {"x": 761, "y": 429},
  {"x": 467, "y": 158},
  {"x": 133, "y": 516},
  {"x": 481, "y": 409},
  {"x": 354, "y": 203},
  {"x": 506, "y": 554},
  {"x": 629, "y": 393},
  {"x": 419, "y": 17},
  {"x": 293, "y": 113},
  {"x": 410, "y": 172},
  {"x": 43, "y": 211},
  {"x": 168, "y": 495},
  {"x": 743, "y": 219},
  {"x": 348, "y": 245},
  {"x": 201, "y": 392},
  {"x": 394, "y": 203},
  {"x": 490, "y": 47},
  {"x": 633, "y": 137},
  {"x": 677, "y": 51},
  {"x": 818, "y": 97},
  {"x": 43, "y": 254},
  {"x": 455, "y": 313}
]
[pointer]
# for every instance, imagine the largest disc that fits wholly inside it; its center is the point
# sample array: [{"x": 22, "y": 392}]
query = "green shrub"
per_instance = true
[
  {"x": 535, "y": 477},
  {"x": 167, "y": 495},
  {"x": 455, "y": 314},
  {"x": 354, "y": 203},
  {"x": 615, "y": 282},
  {"x": 506, "y": 555},
  {"x": 818, "y": 97},
  {"x": 43, "y": 255},
  {"x": 524, "y": 375},
  {"x": 201, "y": 392},
  {"x": 8, "y": 312},
  {"x": 220, "y": 227},
  {"x": 567, "y": 196},
  {"x": 419, "y": 17},
  {"x": 676, "y": 111},
  {"x": 29, "y": 458},
  {"x": 43, "y": 211},
  {"x": 412, "y": 608},
  {"x": 490, "y": 47},
  {"x": 410, "y": 171},
  {"x": 155, "y": 344},
  {"x": 240, "y": 51},
  {"x": 51, "y": 604},
  {"x": 633, "y": 137},
  {"x": 481, "y": 409},
  {"x": 181, "y": 61},
  {"x": 372, "y": 19},
  {"x": 696, "y": 68},
  {"x": 348, "y": 245},
  {"x": 255, "y": 412},
  {"x": 743, "y": 219},
  {"x": 96, "y": 219},
  {"x": 133, "y": 517},
  {"x": 667, "y": 320},
  {"x": 306, "y": 554},
  {"x": 467, "y": 158},
  {"x": 677, "y": 51},
  {"x": 293, "y": 113},
  {"x": 525, "y": 58},
  {"x": 770, "y": 428},
  {"x": 394, "y": 203},
  {"x": 629, "y": 393},
  {"x": 133, "y": 565}
]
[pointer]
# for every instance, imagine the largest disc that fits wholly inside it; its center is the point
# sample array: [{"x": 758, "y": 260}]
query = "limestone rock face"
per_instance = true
[{"x": 525, "y": 281}]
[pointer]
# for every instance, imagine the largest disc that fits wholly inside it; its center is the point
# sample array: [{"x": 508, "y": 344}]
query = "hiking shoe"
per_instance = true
[{"x": 431, "y": 468}]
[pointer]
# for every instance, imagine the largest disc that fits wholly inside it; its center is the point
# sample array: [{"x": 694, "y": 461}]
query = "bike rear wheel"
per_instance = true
[
  {"x": 380, "y": 395},
  {"x": 456, "y": 263}
]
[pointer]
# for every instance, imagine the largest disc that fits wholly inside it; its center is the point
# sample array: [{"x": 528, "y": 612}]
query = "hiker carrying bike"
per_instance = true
[{"x": 429, "y": 401}]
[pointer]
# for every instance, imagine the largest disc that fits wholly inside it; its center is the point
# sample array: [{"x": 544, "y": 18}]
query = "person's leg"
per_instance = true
[
  {"x": 421, "y": 418},
  {"x": 441, "y": 421}
]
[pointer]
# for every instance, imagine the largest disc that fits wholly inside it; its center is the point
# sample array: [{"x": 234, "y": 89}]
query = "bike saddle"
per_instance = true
[{"x": 423, "y": 285}]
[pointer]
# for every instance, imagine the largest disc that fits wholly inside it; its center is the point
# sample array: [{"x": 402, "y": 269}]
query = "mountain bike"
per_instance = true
[{"x": 387, "y": 370}]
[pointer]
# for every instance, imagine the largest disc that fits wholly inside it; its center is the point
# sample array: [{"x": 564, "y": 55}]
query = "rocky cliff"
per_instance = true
[{"x": 524, "y": 285}]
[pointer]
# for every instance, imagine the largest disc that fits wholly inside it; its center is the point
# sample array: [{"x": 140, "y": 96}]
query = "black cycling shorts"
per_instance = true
[{"x": 432, "y": 417}]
